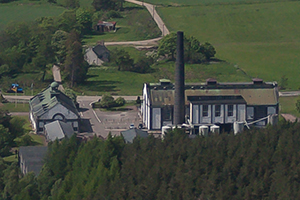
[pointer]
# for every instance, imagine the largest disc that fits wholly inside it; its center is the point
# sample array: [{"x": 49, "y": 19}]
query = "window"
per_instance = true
[
  {"x": 217, "y": 110},
  {"x": 230, "y": 111},
  {"x": 205, "y": 111}
]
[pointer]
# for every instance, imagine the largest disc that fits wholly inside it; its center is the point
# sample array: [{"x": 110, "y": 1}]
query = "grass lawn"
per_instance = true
[
  {"x": 262, "y": 39},
  {"x": 25, "y": 80},
  {"x": 108, "y": 80},
  {"x": 26, "y": 11},
  {"x": 136, "y": 24},
  {"x": 201, "y": 2},
  {"x": 13, "y": 107},
  {"x": 288, "y": 105}
]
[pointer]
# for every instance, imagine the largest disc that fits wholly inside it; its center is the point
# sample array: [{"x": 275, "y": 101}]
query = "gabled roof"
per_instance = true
[
  {"x": 33, "y": 157},
  {"x": 49, "y": 98},
  {"x": 99, "y": 50},
  {"x": 58, "y": 130},
  {"x": 130, "y": 134}
]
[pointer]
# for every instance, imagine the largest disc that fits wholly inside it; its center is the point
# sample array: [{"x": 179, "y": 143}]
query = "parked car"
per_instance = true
[{"x": 131, "y": 126}]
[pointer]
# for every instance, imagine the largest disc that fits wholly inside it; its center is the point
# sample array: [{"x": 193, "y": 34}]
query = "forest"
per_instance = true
[{"x": 257, "y": 164}]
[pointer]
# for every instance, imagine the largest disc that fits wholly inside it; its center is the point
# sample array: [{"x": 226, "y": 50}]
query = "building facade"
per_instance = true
[
  {"x": 50, "y": 105},
  {"x": 211, "y": 103}
]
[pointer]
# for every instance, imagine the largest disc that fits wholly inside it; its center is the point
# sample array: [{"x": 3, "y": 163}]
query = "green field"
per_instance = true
[
  {"x": 108, "y": 80},
  {"x": 262, "y": 39},
  {"x": 288, "y": 105},
  {"x": 15, "y": 107},
  {"x": 204, "y": 2},
  {"x": 26, "y": 11},
  {"x": 136, "y": 24}
]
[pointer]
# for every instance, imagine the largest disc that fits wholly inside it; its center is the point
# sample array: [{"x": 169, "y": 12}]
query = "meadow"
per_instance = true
[
  {"x": 203, "y": 2},
  {"x": 135, "y": 24},
  {"x": 262, "y": 39},
  {"x": 20, "y": 11}
]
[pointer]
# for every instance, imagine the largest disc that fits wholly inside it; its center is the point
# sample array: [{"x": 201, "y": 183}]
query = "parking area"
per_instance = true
[{"x": 116, "y": 121}]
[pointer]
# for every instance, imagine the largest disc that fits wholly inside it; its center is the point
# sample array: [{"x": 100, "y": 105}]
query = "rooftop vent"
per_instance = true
[
  {"x": 164, "y": 81},
  {"x": 211, "y": 81},
  {"x": 257, "y": 81}
]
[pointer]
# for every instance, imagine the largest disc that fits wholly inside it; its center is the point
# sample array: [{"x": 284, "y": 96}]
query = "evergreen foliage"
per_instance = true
[{"x": 257, "y": 164}]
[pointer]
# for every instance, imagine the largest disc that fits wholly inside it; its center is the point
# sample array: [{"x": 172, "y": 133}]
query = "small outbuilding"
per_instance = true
[
  {"x": 103, "y": 26},
  {"x": 58, "y": 130},
  {"x": 31, "y": 159},
  {"x": 130, "y": 134},
  {"x": 97, "y": 55}
]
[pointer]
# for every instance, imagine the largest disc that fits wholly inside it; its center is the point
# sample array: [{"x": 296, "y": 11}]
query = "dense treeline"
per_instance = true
[{"x": 258, "y": 164}]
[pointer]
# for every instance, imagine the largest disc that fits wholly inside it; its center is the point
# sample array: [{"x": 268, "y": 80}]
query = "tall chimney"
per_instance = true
[{"x": 179, "y": 104}]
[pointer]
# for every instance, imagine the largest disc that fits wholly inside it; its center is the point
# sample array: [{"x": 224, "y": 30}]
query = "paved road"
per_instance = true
[
  {"x": 79, "y": 98},
  {"x": 56, "y": 76},
  {"x": 140, "y": 43},
  {"x": 151, "y": 8},
  {"x": 289, "y": 93}
]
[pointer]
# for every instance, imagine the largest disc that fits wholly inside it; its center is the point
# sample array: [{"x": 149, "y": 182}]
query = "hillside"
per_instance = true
[{"x": 262, "y": 39}]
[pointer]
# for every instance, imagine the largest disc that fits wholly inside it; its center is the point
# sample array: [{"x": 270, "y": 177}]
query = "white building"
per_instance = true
[{"x": 211, "y": 103}]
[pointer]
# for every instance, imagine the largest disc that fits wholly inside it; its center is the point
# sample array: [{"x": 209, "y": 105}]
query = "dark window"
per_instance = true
[
  {"x": 230, "y": 110},
  {"x": 205, "y": 111},
  {"x": 167, "y": 113},
  {"x": 217, "y": 110}
]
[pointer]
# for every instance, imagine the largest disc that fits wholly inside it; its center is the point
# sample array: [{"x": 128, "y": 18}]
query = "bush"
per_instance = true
[
  {"x": 113, "y": 14},
  {"x": 107, "y": 101},
  {"x": 26, "y": 140},
  {"x": 120, "y": 101}
]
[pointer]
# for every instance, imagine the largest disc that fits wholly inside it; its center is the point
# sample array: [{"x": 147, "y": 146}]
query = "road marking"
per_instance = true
[{"x": 94, "y": 111}]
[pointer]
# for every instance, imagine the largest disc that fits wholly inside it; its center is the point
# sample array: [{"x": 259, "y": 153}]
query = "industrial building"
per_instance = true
[{"x": 208, "y": 104}]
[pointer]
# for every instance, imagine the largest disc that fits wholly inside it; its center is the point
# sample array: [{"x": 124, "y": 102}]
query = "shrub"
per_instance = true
[
  {"x": 120, "y": 101},
  {"x": 113, "y": 14},
  {"x": 107, "y": 101}
]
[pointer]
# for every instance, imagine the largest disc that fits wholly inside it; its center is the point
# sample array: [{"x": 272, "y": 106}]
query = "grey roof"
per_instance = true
[
  {"x": 253, "y": 93},
  {"x": 58, "y": 130},
  {"x": 48, "y": 98},
  {"x": 100, "y": 50},
  {"x": 130, "y": 134},
  {"x": 34, "y": 157}
]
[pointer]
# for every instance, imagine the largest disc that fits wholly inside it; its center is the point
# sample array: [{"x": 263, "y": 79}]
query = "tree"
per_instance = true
[
  {"x": 58, "y": 43},
  {"x": 75, "y": 65},
  {"x": 194, "y": 52},
  {"x": 207, "y": 50},
  {"x": 107, "y": 4},
  {"x": 167, "y": 46},
  {"x": 84, "y": 18},
  {"x": 107, "y": 101},
  {"x": 122, "y": 59}
]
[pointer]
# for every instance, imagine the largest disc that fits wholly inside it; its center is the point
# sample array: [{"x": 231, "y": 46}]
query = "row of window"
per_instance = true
[{"x": 217, "y": 110}]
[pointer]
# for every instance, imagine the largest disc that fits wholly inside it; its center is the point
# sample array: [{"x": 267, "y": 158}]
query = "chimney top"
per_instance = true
[{"x": 211, "y": 81}]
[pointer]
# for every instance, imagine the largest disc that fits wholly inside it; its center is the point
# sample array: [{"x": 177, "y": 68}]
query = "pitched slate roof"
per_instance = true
[
  {"x": 58, "y": 130},
  {"x": 100, "y": 50},
  {"x": 48, "y": 98},
  {"x": 33, "y": 157},
  {"x": 130, "y": 134}
]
